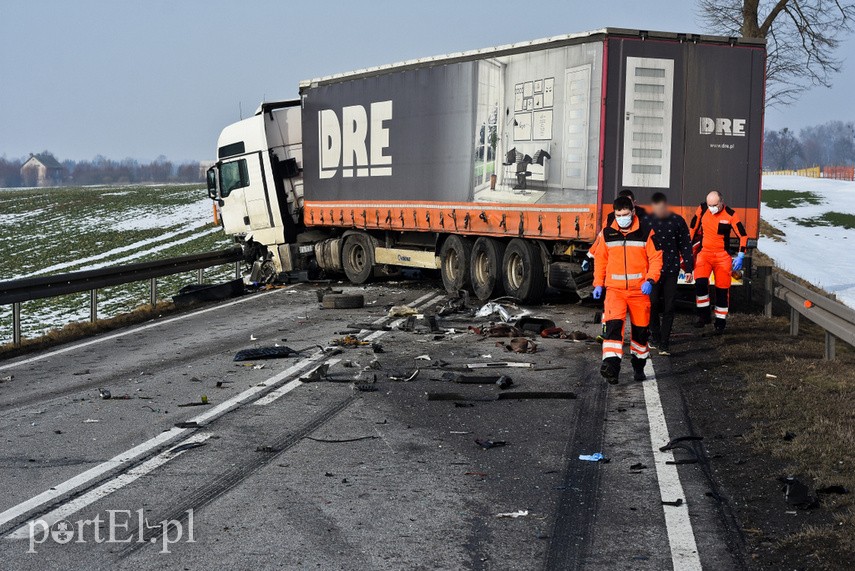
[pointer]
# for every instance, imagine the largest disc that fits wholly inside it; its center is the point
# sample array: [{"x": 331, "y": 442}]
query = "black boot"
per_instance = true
[
  {"x": 638, "y": 369},
  {"x": 610, "y": 370}
]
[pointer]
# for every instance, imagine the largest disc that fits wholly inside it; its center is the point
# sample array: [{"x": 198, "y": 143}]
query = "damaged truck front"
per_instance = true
[{"x": 495, "y": 167}]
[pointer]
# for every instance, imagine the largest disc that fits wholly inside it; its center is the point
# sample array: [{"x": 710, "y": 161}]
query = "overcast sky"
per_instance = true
[{"x": 141, "y": 79}]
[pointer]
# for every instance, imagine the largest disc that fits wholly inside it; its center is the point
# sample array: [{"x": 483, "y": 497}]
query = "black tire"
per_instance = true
[
  {"x": 343, "y": 301},
  {"x": 523, "y": 272},
  {"x": 485, "y": 268},
  {"x": 454, "y": 259},
  {"x": 357, "y": 258}
]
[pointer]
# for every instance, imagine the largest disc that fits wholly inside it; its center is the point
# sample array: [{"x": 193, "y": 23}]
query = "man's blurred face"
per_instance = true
[{"x": 660, "y": 209}]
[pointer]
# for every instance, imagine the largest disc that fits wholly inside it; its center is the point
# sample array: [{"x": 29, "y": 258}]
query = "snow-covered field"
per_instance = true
[
  {"x": 812, "y": 247},
  {"x": 49, "y": 231}
]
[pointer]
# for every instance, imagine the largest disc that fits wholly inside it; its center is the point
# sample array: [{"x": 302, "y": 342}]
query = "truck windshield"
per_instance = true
[{"x": 233, "y": 175}]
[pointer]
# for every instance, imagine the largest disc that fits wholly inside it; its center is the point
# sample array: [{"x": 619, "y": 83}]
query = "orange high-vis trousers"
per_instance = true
[
  {"x": 620, "y": 303},
  {"x": 719, "y": 264}
]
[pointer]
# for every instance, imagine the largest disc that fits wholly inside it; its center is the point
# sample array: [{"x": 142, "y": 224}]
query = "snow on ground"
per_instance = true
[{"x": 822, "y": 255}]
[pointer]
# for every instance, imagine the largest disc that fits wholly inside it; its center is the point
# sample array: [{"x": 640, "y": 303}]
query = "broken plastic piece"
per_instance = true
[
  {"x": 798, "y": 493},
  {"x": 487, "y": 444},
  {"x": 676, "y": 503},
  {"x": 402, "y": 311},
  {"x": 516, "y": 514},
  {"x": 104, "y": 393},
  {"x": 491, "y": 308},
  {"x": 595, "y": 457},
  {"x": 499, "y": 365}
]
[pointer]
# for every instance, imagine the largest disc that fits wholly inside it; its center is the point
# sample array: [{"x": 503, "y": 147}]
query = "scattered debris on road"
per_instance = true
[
  {"x": 676, "y": 503},
  {"x": 519, "y": 345},
  {"x": 402, "y": 311},
  {"x": 104, "y": 393}
]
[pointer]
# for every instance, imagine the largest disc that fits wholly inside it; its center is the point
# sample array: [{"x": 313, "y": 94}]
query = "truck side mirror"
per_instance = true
[{"x": 211, "y": 176}]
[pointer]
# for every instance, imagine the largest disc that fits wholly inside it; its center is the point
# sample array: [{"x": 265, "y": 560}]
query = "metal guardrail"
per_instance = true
[
  {"x": 836, "y": 319},
  {"x": 15, "y": 292}
]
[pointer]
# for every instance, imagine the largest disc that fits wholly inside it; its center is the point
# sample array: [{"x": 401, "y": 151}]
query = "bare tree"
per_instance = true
[{"x": 802, "y": 37}]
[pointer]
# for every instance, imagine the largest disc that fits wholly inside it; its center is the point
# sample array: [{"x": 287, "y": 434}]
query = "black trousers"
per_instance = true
[{"x": 662, "y": 307}]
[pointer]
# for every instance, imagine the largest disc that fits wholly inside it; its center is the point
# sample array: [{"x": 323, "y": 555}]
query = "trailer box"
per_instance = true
[{"x": 536, "y": 139}]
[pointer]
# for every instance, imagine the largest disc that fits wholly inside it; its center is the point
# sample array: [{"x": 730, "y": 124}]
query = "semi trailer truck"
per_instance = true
[{"x": 496, "y": 167}]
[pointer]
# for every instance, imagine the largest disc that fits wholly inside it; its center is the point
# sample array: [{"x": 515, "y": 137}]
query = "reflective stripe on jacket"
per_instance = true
[{"x": 626, "y": 258}]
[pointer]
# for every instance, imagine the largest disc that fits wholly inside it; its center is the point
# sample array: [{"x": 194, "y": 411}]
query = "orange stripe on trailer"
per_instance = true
[{"x": 543, "y": 221}]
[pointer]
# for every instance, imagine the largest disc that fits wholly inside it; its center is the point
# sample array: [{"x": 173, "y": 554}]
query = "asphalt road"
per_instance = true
[{"x": 274, "y": 472}]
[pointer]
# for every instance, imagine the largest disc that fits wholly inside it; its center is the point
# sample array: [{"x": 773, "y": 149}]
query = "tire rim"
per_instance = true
[
  {"x": 481, "y": 268},
  {"x": 515, "y": 271},
  {"x": 451, "y": 265},
  {"x": 356, "y": 258}
]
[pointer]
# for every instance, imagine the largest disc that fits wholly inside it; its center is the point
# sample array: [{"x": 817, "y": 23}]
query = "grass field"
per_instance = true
[{"x": 57, "y": 230}]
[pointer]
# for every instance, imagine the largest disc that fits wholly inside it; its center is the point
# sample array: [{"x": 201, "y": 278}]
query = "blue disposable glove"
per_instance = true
[
  {"x": 598, "y": 292},
  {"x": 586, "y": 265},
  {"x": 737, "y": 261},
  {"x": 647, "y": 288}
]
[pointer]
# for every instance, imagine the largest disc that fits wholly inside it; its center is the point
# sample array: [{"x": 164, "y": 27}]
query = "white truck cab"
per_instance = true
[{"x": 257, "y": 182}]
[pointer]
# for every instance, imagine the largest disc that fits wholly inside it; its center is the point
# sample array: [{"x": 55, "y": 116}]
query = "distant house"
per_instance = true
[{"x": 41, "y": 170}]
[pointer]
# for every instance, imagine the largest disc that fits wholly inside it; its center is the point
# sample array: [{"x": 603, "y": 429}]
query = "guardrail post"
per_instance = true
[
  {"x": 830, "y": 346},
  {"x": 93, "y": 305},
  {"x": 765, "y": 275},
  {"x": 794, "y": 322},
  {"x": 200, "y": 276},
  {"x": 152, "y": 290},
  {"x": 237, "y": 270},
  {"x": 16, "y": 324}
]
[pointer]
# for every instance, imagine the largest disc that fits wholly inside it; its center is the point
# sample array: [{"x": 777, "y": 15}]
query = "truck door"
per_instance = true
[{"x": 243, "y": 187}]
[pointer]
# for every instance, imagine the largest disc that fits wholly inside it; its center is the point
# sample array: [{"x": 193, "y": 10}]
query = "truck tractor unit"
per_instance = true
[{"x": 496, "y": 167}]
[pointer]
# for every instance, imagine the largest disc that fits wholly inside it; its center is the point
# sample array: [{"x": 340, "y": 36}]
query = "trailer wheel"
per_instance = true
[
  {"x": 357, "y": 258},
  {"x": 522, "y": 271},
  {"x": 454, "y": 258},
  {"x": 486, "y": 268}
]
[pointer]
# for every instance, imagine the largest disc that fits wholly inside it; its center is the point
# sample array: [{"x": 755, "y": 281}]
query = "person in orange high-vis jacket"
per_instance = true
[
  {"x": 711, "y": 229},
  {"x": 627, "y": 265}
]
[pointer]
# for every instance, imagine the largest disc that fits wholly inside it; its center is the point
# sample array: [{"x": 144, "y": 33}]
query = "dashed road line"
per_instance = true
[
  {"x": 92, "y": 496},
  {"x": 681, "y": 536}
]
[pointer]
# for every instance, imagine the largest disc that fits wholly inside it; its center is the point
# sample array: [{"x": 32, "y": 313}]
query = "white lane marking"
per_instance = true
[
  {"x": 681, "y": 537},
  {"x": 103, "y": 490},
  {"x": 89, "y": 475},
  {"x": 163, "y": 438},
  {"x": 133, "y": 330}
]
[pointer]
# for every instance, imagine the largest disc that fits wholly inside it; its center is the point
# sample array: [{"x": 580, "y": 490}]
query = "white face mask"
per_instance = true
[
  {"x": 624, "y": 221},
  {"x": 714, "y": 209}
]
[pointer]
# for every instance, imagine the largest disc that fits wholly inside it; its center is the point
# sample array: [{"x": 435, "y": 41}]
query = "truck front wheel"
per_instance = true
[
  {"x": 357, "y": 258},
  {"x": 454, "y": 259},
  {"x": 522, "y": 271},
  {"x": 486, "y": 268}
]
